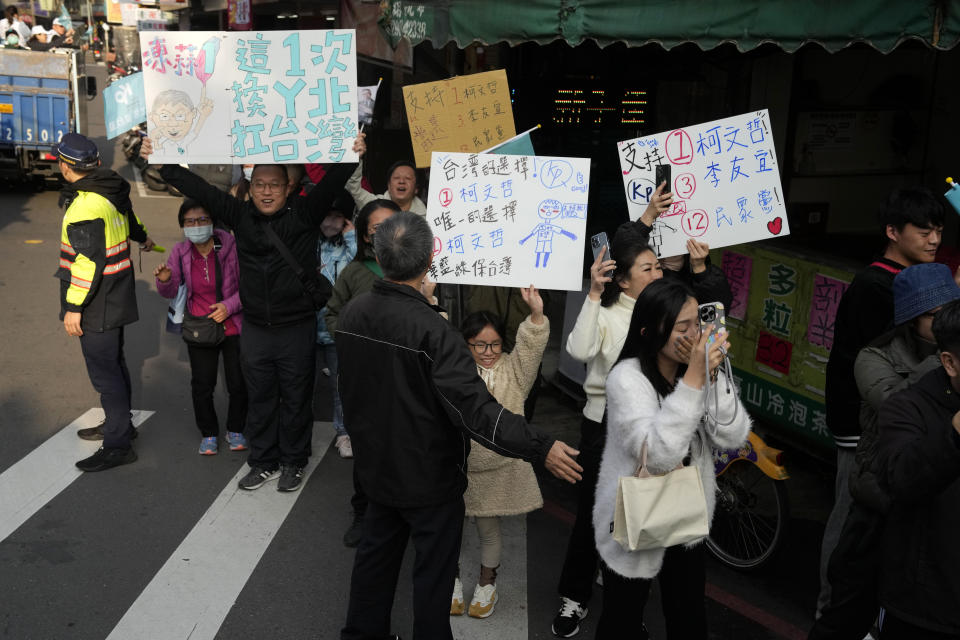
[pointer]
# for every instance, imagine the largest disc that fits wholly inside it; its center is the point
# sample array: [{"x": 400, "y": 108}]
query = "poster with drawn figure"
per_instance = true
[
  {"x": 507, "y": 220},
  {"x": 255, "y": 97},
  {"x": 724, "y": 179},
  {"x": 184, "y": 74}
]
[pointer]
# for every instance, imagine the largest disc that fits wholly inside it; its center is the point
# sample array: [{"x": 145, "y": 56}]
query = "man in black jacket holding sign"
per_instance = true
[
  {"x": 412, "y": 415},
  {"x": 280, "y": 291}
]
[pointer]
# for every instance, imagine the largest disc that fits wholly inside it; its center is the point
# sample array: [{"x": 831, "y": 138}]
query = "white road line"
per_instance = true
[
  {"x": 192, "y": 593},
  {"x": 47, "y": 470},
  {"x": 509, "y": 618}
]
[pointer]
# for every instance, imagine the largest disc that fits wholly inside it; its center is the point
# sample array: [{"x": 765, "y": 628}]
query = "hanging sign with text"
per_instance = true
[
  {"x": 509, "y": 221},
  {"x": 724, "y": 179}
]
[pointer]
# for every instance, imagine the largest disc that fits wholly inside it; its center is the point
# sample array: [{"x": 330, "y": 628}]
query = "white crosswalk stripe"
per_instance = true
[
  {"x": 191, "y": 595},
  {"x": 47, "y": 470}
]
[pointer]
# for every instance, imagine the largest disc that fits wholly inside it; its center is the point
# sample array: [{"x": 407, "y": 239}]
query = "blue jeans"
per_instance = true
[{"x": 327, "y": 357}]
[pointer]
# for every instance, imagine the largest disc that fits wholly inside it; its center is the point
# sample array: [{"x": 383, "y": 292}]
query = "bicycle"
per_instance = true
[{"x": 752, "y": 510}]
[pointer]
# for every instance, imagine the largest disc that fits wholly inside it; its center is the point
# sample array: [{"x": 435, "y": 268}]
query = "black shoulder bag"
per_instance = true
[
  {"x": 317, "y": 289},
  {"x": 201, "y": 331}
]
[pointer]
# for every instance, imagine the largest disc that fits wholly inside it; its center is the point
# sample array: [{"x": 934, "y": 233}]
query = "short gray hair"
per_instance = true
[{"x": 404, "y": 244}]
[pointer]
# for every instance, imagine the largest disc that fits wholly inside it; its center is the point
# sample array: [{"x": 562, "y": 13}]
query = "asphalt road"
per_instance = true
[{"x": 167, "y": 548}]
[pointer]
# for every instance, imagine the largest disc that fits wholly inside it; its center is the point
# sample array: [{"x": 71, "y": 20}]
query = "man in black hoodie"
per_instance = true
[
  {"x": 281, "y": 293},
  {"x": 918, "y": 455},
  {"x": 97, "y": 296}
]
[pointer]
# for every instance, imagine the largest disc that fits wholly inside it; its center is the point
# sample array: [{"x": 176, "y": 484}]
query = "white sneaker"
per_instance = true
[
  {"x": 343, "y": 446},
  {"x": 456, "y": 600},
  {"x": 483, "y": 601}
]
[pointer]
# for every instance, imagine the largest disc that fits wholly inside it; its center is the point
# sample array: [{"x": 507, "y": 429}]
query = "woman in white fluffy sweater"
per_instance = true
[
  {"x": 655, "y": 394},
  {"x": 499, "y": 486}
]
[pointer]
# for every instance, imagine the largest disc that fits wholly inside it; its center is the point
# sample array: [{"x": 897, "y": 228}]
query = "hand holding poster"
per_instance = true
[
  {"x": 506, "y": 220},
  {"x": 725, "y": 183},
  {"x": 271, "y": 97},
  {"x": 464, "y": 114}
]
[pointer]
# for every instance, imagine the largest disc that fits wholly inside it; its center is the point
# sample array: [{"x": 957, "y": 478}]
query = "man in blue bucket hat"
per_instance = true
[
  {"x": 97, "y": 296},
  {"x": 890, "y": 364}
]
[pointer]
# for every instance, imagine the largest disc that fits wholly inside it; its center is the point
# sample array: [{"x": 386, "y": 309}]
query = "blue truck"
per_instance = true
[{"x": 43, "y": 96}]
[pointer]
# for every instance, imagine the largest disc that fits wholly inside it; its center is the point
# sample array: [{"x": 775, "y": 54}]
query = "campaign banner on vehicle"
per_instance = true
[
  {"x": 724, "y": 179},
  {"x": 508, "y": 220},
  {"x": 217, "y": 97}
]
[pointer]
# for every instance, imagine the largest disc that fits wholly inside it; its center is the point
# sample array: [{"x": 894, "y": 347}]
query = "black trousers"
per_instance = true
[
  {"x": 435, "y": 531},
  {"x": 107, "y": 369},
  {"x": 580, "y": 564},
  {"x": 359, "y": 499},
  {"x": 204, "y": 363},
  {"x": 854, "y": 573},
  {"x": 682, "y": 583},
  {"x": 896, "y": 629},
  {"x": 278, "y": 366}
]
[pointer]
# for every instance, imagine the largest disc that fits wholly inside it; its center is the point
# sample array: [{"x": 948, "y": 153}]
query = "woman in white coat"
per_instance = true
[{"x": 655, "y": 395}]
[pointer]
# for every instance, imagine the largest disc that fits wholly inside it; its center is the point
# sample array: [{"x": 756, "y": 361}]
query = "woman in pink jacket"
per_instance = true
[{"x": 191, "y": 262}]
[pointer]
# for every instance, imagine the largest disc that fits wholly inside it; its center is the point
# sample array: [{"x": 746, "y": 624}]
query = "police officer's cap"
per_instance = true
[{"x": 77, "y": 151}]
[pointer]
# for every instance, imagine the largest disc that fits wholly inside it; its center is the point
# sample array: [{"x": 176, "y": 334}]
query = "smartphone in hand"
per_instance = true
[
  {"x": 663, "y": 174},
  {"x": 597, "y": 243},
  {"x": 713, "y": 319}
]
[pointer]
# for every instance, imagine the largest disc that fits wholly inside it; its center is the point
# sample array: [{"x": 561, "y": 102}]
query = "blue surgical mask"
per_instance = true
[
  {"x": 248, "y": 173},
  {"x": 198, "y": 235},
  {"x": 13, "y": 40}
]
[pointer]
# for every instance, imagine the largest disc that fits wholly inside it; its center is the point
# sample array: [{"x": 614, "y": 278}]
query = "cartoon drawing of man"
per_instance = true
[
  {"x": 176, "y": 123},
  {"x": 548, "y": 210}
]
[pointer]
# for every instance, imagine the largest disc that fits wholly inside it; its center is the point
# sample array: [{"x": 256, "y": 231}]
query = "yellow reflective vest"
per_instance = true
[{"x": 96, "y": 275}]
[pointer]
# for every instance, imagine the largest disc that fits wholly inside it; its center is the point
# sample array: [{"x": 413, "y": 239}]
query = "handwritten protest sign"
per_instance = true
[
  {"x": 508, "y": 220},
  {"x": 724, "y": 179},
  {"x": 123, "y": 105},
  {"x": 466, "y": 114},
  {"x": 273, "y": 97}
]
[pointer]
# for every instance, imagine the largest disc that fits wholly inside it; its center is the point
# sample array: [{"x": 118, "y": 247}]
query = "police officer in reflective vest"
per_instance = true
[{"x": 97, "y": 296}]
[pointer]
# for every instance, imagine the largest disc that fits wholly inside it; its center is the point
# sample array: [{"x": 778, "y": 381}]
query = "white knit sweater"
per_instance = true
[
  {"x": 596, "y": 339},
  {"x": 669, "y": 426}
]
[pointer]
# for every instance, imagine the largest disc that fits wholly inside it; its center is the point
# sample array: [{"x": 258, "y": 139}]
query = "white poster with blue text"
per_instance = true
[
  {"x": 510, "y": 221},
  {"x": 254, "y": 97},
  {"x": 724, "y": 179}
]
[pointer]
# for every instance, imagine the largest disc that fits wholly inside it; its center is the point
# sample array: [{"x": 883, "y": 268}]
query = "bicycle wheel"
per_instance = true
[{"x": 750, "y": 516}]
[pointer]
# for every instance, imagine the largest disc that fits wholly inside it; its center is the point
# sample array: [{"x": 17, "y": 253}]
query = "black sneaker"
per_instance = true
[
  {"x": 257, "y": 477},
  {"x": 291, "y": 477},
  {"x": 352, "y": 537},
  {"x": 96, "y": 433},
  {"x": 567, "y": 622},
  {"x": 105, "y": 459}
]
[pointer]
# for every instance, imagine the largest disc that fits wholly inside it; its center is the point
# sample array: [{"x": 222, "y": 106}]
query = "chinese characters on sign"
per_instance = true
[
  {"x": 506, "y": 220},
  {"x": 823, "y": 310},
  {"x": 724, "y": 179},
  {"x": 404, "y": 19},
  {"x": 737, "y": 268},
  {"x": 467, "y": 114},
  {"x": 272, "y": 97}
]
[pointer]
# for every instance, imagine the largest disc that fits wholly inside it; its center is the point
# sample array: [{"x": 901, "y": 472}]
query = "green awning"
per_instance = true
[{"x": 789, "y": 24}]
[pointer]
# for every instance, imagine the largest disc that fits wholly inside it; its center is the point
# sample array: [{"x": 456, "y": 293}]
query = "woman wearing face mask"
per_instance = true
[
  {"x": 192, "y": 262},
  {"x": 336, "y": 248},
  {"x": 655, "y": 398},
  {"x": 241, "y": 189}
]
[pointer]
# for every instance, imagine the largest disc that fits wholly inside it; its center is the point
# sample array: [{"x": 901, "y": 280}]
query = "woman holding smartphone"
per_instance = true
[{"x": 655, "y": 397}]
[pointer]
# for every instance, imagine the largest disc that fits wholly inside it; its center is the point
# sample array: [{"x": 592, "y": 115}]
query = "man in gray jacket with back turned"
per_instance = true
[{"x": 413, "y": 399}]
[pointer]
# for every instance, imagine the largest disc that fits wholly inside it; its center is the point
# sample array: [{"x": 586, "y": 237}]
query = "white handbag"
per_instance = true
[{"x": 655, "y": 512}]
